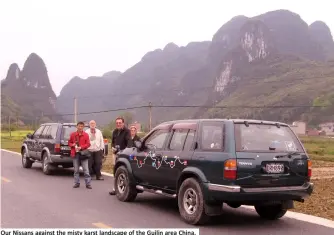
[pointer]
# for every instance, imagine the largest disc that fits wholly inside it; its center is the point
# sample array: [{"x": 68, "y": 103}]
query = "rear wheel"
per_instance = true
[
  {"x": 46, "y": 164},
  {"x": 270, "y": 212},
  {"x": 125, "y": 189},
  {"x": 26, "y": 162},
  {"x": 191, "y": 202}
]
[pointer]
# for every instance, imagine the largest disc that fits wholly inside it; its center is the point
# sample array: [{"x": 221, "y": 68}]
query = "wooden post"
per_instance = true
[{"x": 150, "y": 115}]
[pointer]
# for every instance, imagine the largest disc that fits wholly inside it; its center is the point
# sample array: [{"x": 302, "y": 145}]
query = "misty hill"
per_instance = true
[
  {"x": 28, "y": 94},
  {"x": 97, "y": 87},
  {"x": 272, "y": 59}
]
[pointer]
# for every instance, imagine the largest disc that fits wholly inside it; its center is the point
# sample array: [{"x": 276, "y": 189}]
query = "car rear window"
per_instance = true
[
  {"x": 67, "y": 130},
  {"x": 266, "y": 138}
]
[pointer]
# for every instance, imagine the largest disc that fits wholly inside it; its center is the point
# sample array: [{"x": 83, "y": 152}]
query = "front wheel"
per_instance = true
[
  {"x": 191, "y": 202},
  {"x": 26, "y": 162},
  {"x": 270, "y": 212},
  {"x": 125, "y": 190}
]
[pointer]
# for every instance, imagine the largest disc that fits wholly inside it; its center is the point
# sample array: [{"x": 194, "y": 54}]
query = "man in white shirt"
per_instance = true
[{"x": 96, "y": 148}]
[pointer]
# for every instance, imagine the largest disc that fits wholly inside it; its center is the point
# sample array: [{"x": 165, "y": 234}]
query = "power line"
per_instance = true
[{"x": 191, "y": 106}]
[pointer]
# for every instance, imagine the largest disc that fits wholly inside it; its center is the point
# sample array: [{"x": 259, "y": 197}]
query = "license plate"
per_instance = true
[
  {"x": 65, "y": 148},
  {"x": 274, "y": 168}
]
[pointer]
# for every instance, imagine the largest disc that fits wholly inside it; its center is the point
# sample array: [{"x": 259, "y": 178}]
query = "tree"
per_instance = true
[
  {"x": 107, "y": 133},
  {"x": 128, "y": 117}
]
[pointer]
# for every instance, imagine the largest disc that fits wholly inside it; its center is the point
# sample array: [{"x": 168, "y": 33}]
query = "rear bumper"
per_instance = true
[
  {"x": 61, "y": 159},
  {"x": 237, "y": 193}
]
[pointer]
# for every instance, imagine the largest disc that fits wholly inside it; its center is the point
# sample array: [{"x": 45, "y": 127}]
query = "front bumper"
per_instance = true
[{"x": 237, "y": 193}]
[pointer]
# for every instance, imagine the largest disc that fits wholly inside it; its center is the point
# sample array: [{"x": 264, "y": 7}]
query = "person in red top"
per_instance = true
[{"x": 79, "y": 140}]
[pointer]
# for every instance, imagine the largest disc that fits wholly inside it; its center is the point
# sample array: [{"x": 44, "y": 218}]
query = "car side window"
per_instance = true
[
  {"x": 38, "y": 132},
  {"x": 212, "y": 136},
  {"x": 44, "y": 134},
  {"x": 178, "y": 139},
  {"x": 157, "y": 139},
  {"x": 53, "y": 131},
  {"x": 189, "y": 140}
]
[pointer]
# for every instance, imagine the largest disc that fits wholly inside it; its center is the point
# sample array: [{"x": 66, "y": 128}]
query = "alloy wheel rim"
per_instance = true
[
  {"x": 24, "y": 158},
  {"x": 121, "y": 183},
  {"x": 45, "y": 164},
  {"x": 190, "y": 201}
]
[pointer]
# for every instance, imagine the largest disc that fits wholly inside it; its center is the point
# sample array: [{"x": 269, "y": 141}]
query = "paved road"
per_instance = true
[{"x": 31, "y": 199}]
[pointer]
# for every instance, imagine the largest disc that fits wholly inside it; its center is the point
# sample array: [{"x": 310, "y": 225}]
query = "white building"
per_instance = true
[{"x": 299, "y": 127}]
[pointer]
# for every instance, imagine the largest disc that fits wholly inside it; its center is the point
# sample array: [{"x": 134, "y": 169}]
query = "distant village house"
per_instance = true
[
  {"x": 299, "y": 127},
  {"x": 327, "y": 127}
]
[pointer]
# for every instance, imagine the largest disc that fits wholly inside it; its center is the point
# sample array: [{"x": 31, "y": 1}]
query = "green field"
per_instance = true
[
  {"x": 319, "y": 148},
  {"x": 12, "y": 141}
]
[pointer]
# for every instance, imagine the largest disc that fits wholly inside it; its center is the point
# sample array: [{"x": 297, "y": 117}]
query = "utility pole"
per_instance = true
[
  {"x": 150, "y": 115},
  {"x": 75, "y": 110},
  {"x": 10, "y": 128}
]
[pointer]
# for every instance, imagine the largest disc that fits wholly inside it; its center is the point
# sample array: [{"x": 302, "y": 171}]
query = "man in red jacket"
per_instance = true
[{"x": 79, "y": 140}]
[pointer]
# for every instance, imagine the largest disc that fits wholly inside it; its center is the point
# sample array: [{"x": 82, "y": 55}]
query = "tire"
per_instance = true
[
  {"x": 46, "y": 165},
  {"x": 26, "y": 162},
  {"x": 125, "y": 189},
  {"x": 271, "y": 212},
  {"x": 191, "y": 188}
]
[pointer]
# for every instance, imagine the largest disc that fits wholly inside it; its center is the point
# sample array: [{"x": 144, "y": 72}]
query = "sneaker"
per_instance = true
[
  {"x": 99, "y": 178},
  {"x": 112, "y": 192},
  {"x": 89, "y": 186},
  {"x": 76, "y": 186}
]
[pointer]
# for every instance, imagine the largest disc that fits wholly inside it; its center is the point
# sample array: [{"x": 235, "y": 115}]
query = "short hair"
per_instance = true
[
  {"x": 120, "y": 118},
  {"x": 80, "y": 123},
  {"x": 133, "y": 126}
]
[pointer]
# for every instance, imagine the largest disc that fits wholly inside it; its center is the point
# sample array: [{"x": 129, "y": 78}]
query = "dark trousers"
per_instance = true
[{"x": 95, "y": 163}]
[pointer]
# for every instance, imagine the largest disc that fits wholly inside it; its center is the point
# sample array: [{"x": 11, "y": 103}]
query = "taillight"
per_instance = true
[
  {"x": 230, "y": 169},
  {"x": 309, "y": 168},
  {"x": 57, "y": 148}
]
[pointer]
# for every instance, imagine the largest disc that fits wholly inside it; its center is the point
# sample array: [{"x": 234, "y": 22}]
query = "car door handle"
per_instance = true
[{"x": 201, "y": 158}]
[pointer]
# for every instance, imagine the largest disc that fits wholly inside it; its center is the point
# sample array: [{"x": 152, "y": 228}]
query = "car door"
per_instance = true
[
  {"x": 178, "y": 153},
  {"x": 49, "y": 138},
  {"x": 146, "y": 163},
  {"x": 34, "y": 142},
  {"x": 41, "y": 142}
]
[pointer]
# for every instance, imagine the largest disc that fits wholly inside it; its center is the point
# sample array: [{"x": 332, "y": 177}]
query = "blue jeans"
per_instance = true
[{"x": 76, "y": 165}]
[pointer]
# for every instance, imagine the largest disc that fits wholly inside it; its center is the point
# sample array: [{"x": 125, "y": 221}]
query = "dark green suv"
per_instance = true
[{"x": 205, "y": 163}]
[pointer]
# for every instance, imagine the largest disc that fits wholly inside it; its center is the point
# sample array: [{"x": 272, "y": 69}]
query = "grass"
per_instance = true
[
  {"x": 320, "y": 149},
  {"x": 12, "y": 141}
]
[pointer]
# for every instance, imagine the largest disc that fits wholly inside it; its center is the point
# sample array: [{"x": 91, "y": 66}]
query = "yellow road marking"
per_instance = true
[
  {"x": 101, "y": 225},
  {"x": 5, "y": 179}
]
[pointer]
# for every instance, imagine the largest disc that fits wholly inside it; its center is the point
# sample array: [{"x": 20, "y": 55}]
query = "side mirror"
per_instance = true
[
  {"x": 29, "y": 136},
  {"x": 138, "y": 144}
]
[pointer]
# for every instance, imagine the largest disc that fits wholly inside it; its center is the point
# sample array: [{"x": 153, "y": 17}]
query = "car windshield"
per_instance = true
[
  {"x": 67, "y": 130},
  {"x": 266, "y": 138}
]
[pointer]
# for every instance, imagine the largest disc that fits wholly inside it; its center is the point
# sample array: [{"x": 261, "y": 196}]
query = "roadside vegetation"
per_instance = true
[{"x": 320, "y": 149}]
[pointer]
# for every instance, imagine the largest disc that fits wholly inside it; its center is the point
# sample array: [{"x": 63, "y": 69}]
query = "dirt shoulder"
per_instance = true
[{"x": 321, "y": 202}]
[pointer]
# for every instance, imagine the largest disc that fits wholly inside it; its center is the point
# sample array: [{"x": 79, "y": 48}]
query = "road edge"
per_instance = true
[{"x": 292, "y": 215}]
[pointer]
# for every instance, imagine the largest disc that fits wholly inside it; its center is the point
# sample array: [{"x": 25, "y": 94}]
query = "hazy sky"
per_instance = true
[{"x": 85, "y": 38}]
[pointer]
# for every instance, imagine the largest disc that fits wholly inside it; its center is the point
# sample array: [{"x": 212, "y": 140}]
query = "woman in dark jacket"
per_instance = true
[{"x": 134, "y": 136}]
